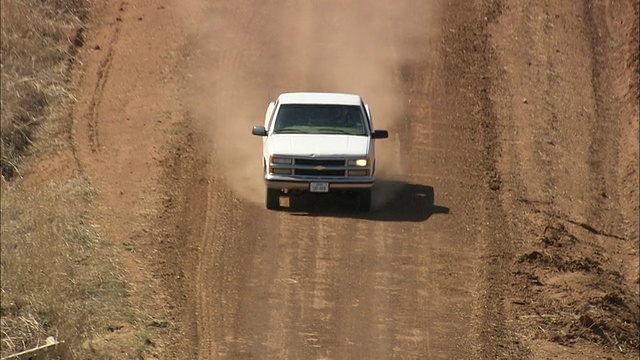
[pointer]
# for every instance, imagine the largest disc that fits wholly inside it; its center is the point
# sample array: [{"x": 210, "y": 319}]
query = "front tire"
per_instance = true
[
  {"x": 364, "y": 201},
  {"x": 272, "y": 200}
]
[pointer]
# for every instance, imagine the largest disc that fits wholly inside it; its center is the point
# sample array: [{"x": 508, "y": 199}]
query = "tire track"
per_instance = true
[
  {"x": 101, "y": 81},
  {"x": 206, "y": 345}
]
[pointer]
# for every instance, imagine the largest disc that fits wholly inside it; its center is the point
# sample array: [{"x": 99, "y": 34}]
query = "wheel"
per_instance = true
[
  {"x": 364, "y": 201},
  {"x": 273, "y": 199}
]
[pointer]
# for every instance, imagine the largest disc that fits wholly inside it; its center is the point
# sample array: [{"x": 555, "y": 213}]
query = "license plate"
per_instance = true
[{"x": 319, "y": 187}]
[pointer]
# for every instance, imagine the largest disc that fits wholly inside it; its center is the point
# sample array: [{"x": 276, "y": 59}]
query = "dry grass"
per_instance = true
[
  {"x": 58, "y": 277},
  {"x": 37, "y": 47}
]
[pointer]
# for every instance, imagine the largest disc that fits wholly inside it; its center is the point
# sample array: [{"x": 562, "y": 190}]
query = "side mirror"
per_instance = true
[
  {"x": 380, "y": 134},
  {"x": 259, "y": 131}
]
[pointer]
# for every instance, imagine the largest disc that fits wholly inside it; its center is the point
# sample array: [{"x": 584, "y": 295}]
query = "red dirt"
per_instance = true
[{"x": 511, "y": 230}]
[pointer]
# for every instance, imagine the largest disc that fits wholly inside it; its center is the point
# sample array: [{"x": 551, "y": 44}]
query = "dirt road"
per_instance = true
[
  {"x": 499, "y": 119},
  {"x": 333, "y": 283}
]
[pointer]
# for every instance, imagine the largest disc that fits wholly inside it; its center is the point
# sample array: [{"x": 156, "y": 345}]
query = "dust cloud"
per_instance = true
[{"x": 248, "y": 52}]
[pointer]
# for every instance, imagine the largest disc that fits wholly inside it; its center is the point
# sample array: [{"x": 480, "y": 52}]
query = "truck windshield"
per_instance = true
[{"x": 320, "y": 119}]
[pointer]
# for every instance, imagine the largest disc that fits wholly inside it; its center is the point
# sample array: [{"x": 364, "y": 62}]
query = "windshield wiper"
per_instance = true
[
  {"x": 334, "y": 131},
  {"x": 290, "y": 131}
]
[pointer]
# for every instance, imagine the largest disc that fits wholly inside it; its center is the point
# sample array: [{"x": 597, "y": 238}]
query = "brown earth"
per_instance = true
[{"x": 507, "y": 226}]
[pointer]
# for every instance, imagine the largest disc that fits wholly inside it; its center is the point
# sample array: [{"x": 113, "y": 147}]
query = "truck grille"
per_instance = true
[
  {"x": 314, "y": 172},
  {"x": 319, "y": 162}
]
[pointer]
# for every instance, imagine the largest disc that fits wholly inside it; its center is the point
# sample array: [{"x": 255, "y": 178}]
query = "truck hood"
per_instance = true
[{"x": 318, "y": 145}]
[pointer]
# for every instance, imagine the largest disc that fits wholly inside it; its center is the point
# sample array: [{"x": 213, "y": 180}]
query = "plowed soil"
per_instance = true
[{"x": 505, "y": 224}]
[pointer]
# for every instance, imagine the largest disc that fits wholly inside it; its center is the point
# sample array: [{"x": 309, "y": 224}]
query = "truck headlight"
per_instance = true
[
  {"x": 280, "y": 160},
  {"x": 358, "y": 162}
]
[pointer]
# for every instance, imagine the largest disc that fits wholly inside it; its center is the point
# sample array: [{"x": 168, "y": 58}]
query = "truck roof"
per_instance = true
[{"x": 319, "y": 98}]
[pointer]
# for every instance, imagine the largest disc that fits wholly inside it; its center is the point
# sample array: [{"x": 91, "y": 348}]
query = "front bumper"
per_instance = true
[{"x": 289, "y": 183}]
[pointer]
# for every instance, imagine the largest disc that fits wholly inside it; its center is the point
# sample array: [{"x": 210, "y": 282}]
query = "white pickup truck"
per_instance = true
[{"x": 320, "y": 143}]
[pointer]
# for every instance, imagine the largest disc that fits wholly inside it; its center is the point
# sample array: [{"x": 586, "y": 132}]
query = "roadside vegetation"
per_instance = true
[
  {"x": 38, "y": 41},
  {"x": 58, "y": 277}
]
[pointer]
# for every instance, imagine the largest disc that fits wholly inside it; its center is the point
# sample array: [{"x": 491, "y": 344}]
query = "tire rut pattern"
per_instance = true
[
  {"x": 102, "y": 78},
  {"x": 469, "y": 52}
]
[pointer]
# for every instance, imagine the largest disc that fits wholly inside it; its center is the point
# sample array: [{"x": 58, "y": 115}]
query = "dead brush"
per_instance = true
[
  {"x": 20, "y": 331},
  {"x": 34, "y": 55}
]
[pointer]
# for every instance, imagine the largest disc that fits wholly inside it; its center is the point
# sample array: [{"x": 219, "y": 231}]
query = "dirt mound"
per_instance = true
[{"x": 575, "y": 291}]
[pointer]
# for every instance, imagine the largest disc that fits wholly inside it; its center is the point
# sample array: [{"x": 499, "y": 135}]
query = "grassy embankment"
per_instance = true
[{"x": 58, "y": 277}]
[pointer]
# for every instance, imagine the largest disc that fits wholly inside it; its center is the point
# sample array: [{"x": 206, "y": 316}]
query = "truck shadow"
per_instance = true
[{"x": 391, "y": 201}]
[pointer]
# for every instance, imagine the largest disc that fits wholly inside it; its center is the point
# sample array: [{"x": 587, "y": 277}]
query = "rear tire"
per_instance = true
[
  {"x": 272, "y": 200},
  {"x": 364, "y": 201}
]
